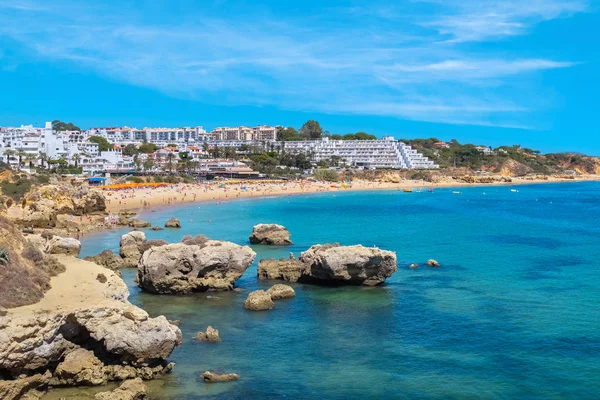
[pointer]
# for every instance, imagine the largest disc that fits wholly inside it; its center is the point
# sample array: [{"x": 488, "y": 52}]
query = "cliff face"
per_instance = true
[{"x": 25, "y": 271}]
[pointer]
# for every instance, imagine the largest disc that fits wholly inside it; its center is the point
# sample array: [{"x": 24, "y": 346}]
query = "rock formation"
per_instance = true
[
  {"x": 433, "y": 263},
  {"x": 279, "y": 291},
  {"x": 84, "y": 334},
  {"x": 132, "y": 389},
  {"x": 60, "y": 245},
  {"x": 173, "y": 223},
  {"x": 259, "y": 300},
  {"x": 107, "y": 259},
  {"x": 270, "y": 234},
  {"x": 138, "y": 223},
  {"x": 211, "y": 335},
  {"x": 184, "y": 268},
  {"x": 156, "y": 228},
  {"x": 414, "y": 266},
  {"x": 333, "y": 264},
  {"x": 130, "y": 248},
  {"x": 211, "y": 377},
  {"x": 42, "y": 205}
]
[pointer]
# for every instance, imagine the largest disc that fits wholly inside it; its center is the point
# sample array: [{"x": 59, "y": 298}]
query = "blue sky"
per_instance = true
[{"x": 481, "y": 71}]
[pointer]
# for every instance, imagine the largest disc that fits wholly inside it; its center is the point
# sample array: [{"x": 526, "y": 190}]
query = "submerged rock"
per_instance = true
[
  {"x": 132, "y": 389},
  {"x": 186, "y": 268},
  {"x": 259, "y": 300},
  {"x": 433, "y": 263},
  {"x": 173, "y": 223},
  {"x": 156, "y": 228},
  {"x": 211, "y": 335},
  {"x": 210, "y": 377},
  {"x": 270, "y": 234},
  {"x": 333, "y": 264},
  {"x": 279, "y": 291},
  {"x": 414, "y": 266}
]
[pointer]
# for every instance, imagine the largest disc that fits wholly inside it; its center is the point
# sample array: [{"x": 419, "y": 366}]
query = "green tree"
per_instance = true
[
  {"x": 170, "y": 159},
  {"x": 311, "y": 130},
  {"x": 9, "y": 153},
  {"x": 103, "y": 144},
  {"x": 42, "y": 157},
  {"x": 148, "y": 164},
  {"x": 76, "y": 158},
  {"x": 20, "y": 154},
  {"x": 148, "y": 148},
  {"x": 61, "y": 126},
  {"x": 326, "y": 175},
  {"x": 287, "y": 134},
  {"x": 130, "y": 150}
]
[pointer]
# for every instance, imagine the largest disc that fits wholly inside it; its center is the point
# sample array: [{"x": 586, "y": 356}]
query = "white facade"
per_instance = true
[{"x": 385, "y": 153}]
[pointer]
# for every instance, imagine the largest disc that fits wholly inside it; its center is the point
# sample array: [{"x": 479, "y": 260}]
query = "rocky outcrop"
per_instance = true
[
  {"x": 279, "y": 291},
  {"x": 433, "y": 263},
  {"x": 286, "y": 269},
  {"x": 60, "y": 245},
  {"x": 132, "y": 389},
  {"x": 85, "y": 333},
  {"x": 173, "y": 223},
  {"x": 414, "y": 266},
  {"x": 259, "y": 300},
  {"x": 25, "y": 388},
  {"x": 270, "y": 234},
  {"x": 130, "y": 248},
  {"x": 211, "y": 377},
  {"x": 107, "y": 259},
  {"x": 181, "y": 268},
  {"x": 138, "y": 223},
  {"x": 42, "y": 205},
  {"x": 211, "y": 335},
  {"x": 333, "y": 264},
  {"x": 156, "y": 228}
]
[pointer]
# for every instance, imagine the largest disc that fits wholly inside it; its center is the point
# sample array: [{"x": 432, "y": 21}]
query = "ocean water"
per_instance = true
[{"x": 512, "y": 313}]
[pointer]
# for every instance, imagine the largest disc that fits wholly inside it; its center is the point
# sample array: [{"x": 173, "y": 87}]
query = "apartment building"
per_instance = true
[{"x": 244, "y": 133}]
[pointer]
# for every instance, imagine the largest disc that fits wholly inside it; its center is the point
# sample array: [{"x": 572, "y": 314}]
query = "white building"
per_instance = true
[{"x": 385, "y": 153}]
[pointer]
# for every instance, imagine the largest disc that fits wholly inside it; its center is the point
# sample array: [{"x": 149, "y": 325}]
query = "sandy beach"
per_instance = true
[{"x": 141, "y": 198}]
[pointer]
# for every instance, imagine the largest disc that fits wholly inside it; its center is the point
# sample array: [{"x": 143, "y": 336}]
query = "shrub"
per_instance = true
[
  {"x": 326, "y": 175},
  {"x": 101, "y": 278},
  {"x": 135, "y": 179}
]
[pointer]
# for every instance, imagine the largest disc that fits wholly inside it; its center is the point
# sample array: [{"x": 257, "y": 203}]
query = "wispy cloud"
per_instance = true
[{"x": 334, "y": 62}]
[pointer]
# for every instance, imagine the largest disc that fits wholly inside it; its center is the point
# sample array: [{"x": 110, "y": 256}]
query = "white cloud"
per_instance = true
[{"x": 335, "y": 62}]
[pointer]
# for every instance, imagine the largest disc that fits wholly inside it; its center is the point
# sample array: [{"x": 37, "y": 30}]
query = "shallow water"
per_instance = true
[{"x": 513, "y": 312}]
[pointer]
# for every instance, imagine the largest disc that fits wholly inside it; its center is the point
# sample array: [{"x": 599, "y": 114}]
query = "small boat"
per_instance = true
[
  {"x": 455, "y": 192},
  {"x": 514, "y": 190},
  {"x": 407, "y": 190}
]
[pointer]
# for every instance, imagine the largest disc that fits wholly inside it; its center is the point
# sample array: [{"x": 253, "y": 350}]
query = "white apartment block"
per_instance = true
[
  {"x": 385, "y": 153},
  {"x": 244, "y": 133}
]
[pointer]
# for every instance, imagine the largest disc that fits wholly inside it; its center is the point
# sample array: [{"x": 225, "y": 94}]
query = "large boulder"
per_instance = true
[
  {"x": 173, "y": 223},
  {"x": 61, "y": 245},
  {"x": 354, "y": 265},
  {"x": 259, "y": 300},
  {"x": 80, "y": 367},
  {"x": 270, "y": 234},
  {"x": 333, "y": 264},
  {"x": 107, "y": 259},
  {"x": 132, "y": 389},
  {"x": 25, "y": 388},
  {"x": 184, "y": 268},
  {"x": 279, "y": 291},
  {"x": 130, "y": 248},
  {"x": 138, "y": 223}
]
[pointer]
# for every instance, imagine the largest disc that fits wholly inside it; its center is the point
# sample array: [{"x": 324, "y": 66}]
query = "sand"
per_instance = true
[{"x": 136, "y": 199}]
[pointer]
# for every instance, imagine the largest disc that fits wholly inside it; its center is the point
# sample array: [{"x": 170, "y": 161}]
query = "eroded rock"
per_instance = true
[
  {"x": 259, "y": 300},
  {"x": 211, "y": 377},
  {"x": 61, "y": 245},
  {"x": 132, "y": 389},
  {"x": 173, "y": 223},
  {"x": 211, "y": 335},
  {"x": 270, "y": 234},
  {"x": 279, "y": 291}
]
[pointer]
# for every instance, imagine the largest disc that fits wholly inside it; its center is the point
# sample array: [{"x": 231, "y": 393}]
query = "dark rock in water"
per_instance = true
[
  {"x": 211, "y": 335},
  {"x": 138, "y": 223},
  {"x": 433, "y": 263},
  {"x": 333, "y": 264},
  {"x": 156, "y": 228},
  {"x": 210, "y": 377},
  {"x": 173, "y": 223},
  {"x": 188, "y": 267},
  {"x": 270, "y": 234},
  {"x": 259, "y": 300},
  {"x": 414, "y": 266}
]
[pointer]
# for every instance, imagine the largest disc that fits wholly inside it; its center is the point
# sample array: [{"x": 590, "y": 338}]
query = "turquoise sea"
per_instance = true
[{"x": 512, "y": 313}]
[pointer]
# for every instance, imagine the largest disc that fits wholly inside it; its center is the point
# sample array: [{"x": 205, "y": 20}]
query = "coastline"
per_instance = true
[{"x": 145, "y": 199}]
